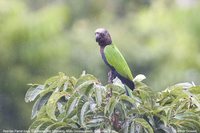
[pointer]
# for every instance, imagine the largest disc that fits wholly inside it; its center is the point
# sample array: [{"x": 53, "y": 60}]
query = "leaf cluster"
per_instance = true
[{"x": 84, "y": 104}]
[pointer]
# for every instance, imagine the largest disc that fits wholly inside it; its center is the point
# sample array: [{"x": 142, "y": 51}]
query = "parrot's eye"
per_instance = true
[{"x": 101, "y": 34}]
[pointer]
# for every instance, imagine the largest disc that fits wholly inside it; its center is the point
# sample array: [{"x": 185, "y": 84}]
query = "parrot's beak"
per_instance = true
[{"x": 97, "y": 37}]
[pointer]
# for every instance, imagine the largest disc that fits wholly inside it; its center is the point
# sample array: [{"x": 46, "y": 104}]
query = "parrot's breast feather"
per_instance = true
[{"x": 116, "y": 60}]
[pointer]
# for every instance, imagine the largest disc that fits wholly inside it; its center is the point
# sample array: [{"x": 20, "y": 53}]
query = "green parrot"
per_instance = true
[{"x": 114, "y": 59}]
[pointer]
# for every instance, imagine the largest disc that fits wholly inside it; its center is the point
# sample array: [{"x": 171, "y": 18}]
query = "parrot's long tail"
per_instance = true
[
  {"x": 129, "y": 83},
  {"x": 126, "y": 81}
]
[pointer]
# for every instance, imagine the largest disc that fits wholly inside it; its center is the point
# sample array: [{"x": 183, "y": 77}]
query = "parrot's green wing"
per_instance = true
[{"x": 116, "y": 60}]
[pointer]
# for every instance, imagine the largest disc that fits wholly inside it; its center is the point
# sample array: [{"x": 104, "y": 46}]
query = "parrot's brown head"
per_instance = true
[{"x": 103, "y": 37}]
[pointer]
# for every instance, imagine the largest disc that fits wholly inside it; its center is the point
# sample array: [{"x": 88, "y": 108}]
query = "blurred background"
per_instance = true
[{"x": 38, "y": 39}]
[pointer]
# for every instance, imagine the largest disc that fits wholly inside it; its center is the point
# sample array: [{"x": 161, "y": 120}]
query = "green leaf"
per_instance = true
[
  {"x": 42, "y": 126},
  {"x": 71, "y": 104},
  {"x": 53, "y": 126},
  {"x": 195, "y": 90},
  {"x": 125, "y": 127},
  {"x": 113, "y": 103},
  {"x": 39, "y": 103},
  {"x": 144, "y": 124},
  {"x": 72, "y": 123},
  {"x": 116, "y": 89},
  {"x": 51, "y": 104},
  {"x": 96, "y": 120},
  {"x": 132, "y": 128},
  {"x": 196, "y": 102},
  {"x": 72, "y": 81},
  {"x": 82, "y": 113},
  {"x": 106, "y": 109},
  {"x": 33, "y": 92},
  {"x": 85, "y": 78},
  {"x": 38, "y": 122},
  {"x": 85, "y": 88},
  {"x": 95, "y": 123},
  {"x": 55, "y": 83},
  {"x": 37, "y": 129},
  {"x": 166, "y": 129},
  {"x": 51, "y": 80},
  {"x": 69, "y": 85},
  {"x": 50, "y": 88},
  {"x": 185, "y": 115},
  {"x": 98, "y": 95},
  {"x": 122, "y": 108},
  {"x": 62, "y": 79},
  {"x": 126, "y": 98},
  {"x": 90, "y": 105},
  {"x": 83, "y": 106},
  {"x": 191, "y": 123},
  {"x": 141, "y": 85}
]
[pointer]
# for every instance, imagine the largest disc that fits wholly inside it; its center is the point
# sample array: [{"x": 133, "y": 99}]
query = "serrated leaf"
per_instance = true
[
  {"x": 51, "y": 80},
  {"x": 106, "y": 109},
  {"x": 73, "y": 113},
  {"x": 82, "y": 113},
  {"x": 195, "y": 90},
  {"x": 196, "y": 102},
  {"x": 43, "y": 126},
  {"x": 98, "y": 95},
  {"x": 132, "y": 128},
  {"x": 96, "y": 120},
  {"x": 144, "y": 124},
  {"x": 71, "y": 104},
  {"x": 33, "y": 92},
  {"x": 127, "y": 99},
  {"x": 52, "y": 102},
  {"x": 62, "y": 79},
  {"x": 73, "y": 81},
  {"x": 185, "y": 115},
  {"x": 38, "y": 122},
  {"x": 87, "y": 77},
  {"x": 53, "y": 126},
  {"x": 125, "y": 127},
  {"x": 116, "y": 89},
  {"x": 141, "y": 85},
  {"x": 72, "y": 123},
  {"x": 93, "y": 125},
  {"x": 37, "y": 129},
  {"x": 96, "y": 123},
  {"x": 39, "y": 103},
  {"x": 166, "y": 129},
  {"x": 92, "y": 106},
  {"x": 113, "y": 103},
  {"x": 194, "y": 99},
  {"x": 61, "y": 74},
  {"x": 86, "y": 88},
  {"x": 192, "y": 124},
  {"x": 81, "y": 102},
  {"x": 50, "y": 88},
  {"x": 60, "y": 129}
]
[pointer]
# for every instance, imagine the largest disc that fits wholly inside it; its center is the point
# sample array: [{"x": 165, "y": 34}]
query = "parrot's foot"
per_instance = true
[
  {"x": 111, "y": 76},
  {"x": 110, "y": 80}
]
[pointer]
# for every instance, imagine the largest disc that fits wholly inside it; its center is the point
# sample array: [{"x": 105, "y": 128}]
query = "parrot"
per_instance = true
[{"x": 113, "y": 58}]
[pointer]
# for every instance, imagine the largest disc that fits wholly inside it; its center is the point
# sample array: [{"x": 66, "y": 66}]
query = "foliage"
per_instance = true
[
  {"x": 84, "y": 104},
  {"x": 159, "y": 38}
]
